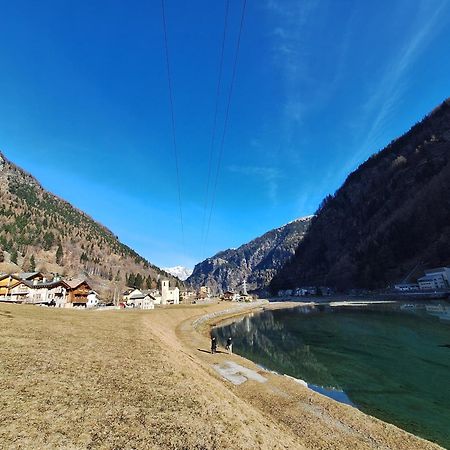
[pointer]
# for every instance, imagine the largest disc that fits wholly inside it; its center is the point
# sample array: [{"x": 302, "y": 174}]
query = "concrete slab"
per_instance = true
[{"x": 237, "y": 374}]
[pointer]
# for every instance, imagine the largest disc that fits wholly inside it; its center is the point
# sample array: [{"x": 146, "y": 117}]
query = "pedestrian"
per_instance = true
[
  {"x": 213, "y": 344},
  {"x": 229, "y": 346}
]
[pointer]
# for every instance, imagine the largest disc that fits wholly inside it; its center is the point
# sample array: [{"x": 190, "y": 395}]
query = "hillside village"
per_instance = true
[{"x": 37, "y": 289}]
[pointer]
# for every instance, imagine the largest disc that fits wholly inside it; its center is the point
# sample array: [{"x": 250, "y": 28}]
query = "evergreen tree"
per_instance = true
[
  {"x": 110, "y": 275},
  {"x": 117, "y": 276},
  {"x": 32, "y": 263},
  {"x": 138, "y": 281},
  {"x": 59, "y": 254},
  {"x": 14, "y": 256},
  {"x": 131, "y": 280},
  {"x": 49, "y": 239},
  {"x": 148, "y": 282}
]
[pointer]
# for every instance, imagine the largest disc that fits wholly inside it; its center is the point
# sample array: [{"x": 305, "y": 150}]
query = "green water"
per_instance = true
[{"x": 391, "y": 363}]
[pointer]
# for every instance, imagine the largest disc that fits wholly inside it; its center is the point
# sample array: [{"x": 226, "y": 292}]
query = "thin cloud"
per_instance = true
[{"x": 384, "y": 98}]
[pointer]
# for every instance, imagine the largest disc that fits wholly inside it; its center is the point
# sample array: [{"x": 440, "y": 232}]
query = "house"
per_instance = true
[
  {"x": 7, "y": 282},
  {"x": 92, "y": 300},
  {"x": 187, "y": 295},
  {"x": 78, "y": 291},
  {"x": 204, "y": 292},
  {"x": 32, "y": 289},
  {"x": 406, "y": 287},
  {"x": 148, "y": 302},
  {"x": 169, "y": 295},
  {"x": 126, "y": 294},
  {"x": 230, "y": 296},
  {"x": 53, "y": 292},
  {"x": 438, "y": 278}
]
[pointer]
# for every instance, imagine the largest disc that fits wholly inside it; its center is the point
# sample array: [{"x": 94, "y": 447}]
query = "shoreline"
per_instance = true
[
  {"x": 228, "y": 317},
  {"x": 147, "y": 379}
]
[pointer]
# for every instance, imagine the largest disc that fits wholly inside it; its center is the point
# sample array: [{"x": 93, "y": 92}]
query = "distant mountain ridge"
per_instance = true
[
  {"x": 390, "y": 217},
  {"x": 256, "y": 262},
  {"x": 39, "y": 229}
]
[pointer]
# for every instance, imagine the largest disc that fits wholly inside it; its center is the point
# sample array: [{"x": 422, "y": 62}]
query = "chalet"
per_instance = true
[
  {"x": 32, "y": 290},
  {"x": 230, "y": 296},
  {"x": 78, "y": 292},
  {"x": 47, "y": 292},
  {"x": 7, "y": 282}
]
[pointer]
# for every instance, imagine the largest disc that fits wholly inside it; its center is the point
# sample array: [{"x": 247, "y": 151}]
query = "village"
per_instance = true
[{"x": 55, "y": 291}]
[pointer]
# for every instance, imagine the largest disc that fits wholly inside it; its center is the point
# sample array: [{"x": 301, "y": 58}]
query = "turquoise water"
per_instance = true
[{"x": 390, "y": 362}]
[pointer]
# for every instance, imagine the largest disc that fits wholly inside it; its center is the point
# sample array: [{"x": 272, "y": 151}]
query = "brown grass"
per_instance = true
[{"x": 132, "y": 380}]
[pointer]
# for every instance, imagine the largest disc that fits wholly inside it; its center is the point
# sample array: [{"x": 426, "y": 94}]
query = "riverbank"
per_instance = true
[{"x": 146, "y": 379}]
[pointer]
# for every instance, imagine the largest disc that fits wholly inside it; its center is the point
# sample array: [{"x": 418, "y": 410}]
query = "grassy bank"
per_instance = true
[{"x": 137, "y": 379}]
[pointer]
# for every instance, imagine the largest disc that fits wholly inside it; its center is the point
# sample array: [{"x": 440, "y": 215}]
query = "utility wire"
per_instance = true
[
  {"x": 230, "y": 94},
  {"x": 214, "y": 127},
  {"x": 172, "y": 115}
]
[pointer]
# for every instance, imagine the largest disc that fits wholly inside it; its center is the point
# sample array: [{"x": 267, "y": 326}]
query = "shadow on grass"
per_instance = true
[{"x": 209, "y": 351}]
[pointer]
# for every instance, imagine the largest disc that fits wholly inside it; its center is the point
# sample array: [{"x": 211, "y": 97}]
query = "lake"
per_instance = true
[{"x": 389, "y": 360}]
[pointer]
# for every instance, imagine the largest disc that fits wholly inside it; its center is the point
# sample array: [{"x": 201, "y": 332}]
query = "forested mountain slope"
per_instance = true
[
  {"x": 391, "y": 215},
  {"x": 40, "y": 231}
]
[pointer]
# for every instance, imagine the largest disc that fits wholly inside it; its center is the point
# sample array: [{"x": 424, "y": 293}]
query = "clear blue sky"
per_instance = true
[{"x": 320, "y": 86}]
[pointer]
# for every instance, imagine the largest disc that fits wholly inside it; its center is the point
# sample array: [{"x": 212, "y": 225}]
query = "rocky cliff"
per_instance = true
[{"x": 256, "y": 262}]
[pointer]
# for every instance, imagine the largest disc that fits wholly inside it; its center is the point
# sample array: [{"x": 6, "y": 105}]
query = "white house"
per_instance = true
[
  {"x": 92, "y": 300},
  {"x": 148, "y": 302},
  {"x": 438, "y": 278}
]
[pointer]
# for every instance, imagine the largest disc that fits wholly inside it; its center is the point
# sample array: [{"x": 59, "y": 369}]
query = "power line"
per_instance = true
[
  {"x": 230, "y": 94},
  {"x": 214, "y": 127},
  {"x": 172, "y": 116}
]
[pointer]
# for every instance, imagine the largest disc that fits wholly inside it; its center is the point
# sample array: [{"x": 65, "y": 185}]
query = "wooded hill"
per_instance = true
[
  {"x": 390, "y": 218},
  {"x": 41, "y": 231}
]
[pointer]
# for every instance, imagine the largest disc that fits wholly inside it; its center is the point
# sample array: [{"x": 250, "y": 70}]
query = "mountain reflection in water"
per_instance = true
[{"x": 391, "y": 360}]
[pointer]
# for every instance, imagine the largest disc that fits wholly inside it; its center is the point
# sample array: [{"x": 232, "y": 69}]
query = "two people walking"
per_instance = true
[{"x": 228, "y": 347}]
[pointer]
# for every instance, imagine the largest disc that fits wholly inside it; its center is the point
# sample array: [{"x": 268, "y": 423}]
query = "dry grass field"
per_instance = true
[{"x": 136, "y": 379}]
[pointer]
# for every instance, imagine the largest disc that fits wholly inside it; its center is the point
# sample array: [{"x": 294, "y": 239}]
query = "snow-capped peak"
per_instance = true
[{"x": 179, "y": 271}]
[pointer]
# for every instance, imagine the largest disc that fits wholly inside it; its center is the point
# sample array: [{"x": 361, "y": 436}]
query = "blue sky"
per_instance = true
[{"x": 320, "y": 86}]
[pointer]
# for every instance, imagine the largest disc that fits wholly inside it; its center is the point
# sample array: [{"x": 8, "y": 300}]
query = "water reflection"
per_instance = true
[{"x": 392, "y": 360}]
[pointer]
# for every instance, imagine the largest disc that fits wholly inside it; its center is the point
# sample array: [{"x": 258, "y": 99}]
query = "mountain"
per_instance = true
[
  {"x": 41, "y": 231},
  {"x": 390, "y": 218},
  {"x": 255, "y": 262},
  {"x": 182, "y": 273}
]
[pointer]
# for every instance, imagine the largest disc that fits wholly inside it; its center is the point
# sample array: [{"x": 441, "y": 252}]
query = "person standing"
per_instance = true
[
  {"x": 213, "y": 344},
  {"x": 229, "y": 346}
]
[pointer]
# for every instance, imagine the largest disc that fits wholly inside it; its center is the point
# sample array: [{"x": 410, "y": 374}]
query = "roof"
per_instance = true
[
  {"x": 47, "y": 284},
  {"x": 141, "y": 297},
  {"x": 426, "y": 278},
  {"x": 28, "y": 275},
  {"x": 73, "y": 284}
]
